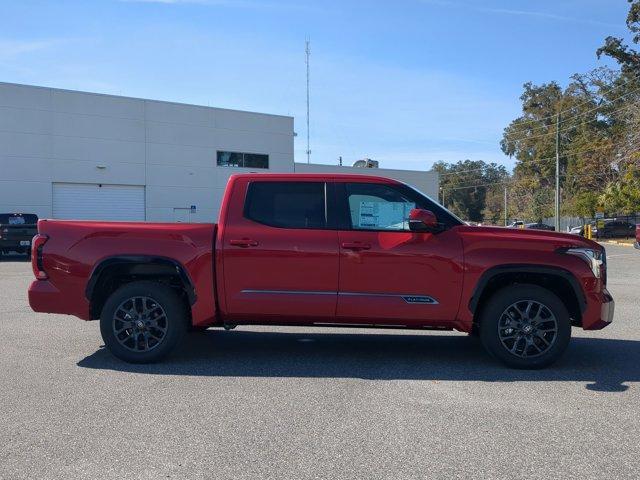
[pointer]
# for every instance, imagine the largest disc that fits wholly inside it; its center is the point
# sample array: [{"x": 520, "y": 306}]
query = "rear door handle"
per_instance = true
[
  {"x": 244, "y": 243},
  {"x": 355, "y": 246}
]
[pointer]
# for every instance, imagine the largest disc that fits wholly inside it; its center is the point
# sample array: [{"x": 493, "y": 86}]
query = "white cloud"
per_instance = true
[
  {"x": 222, "y": 3},
  {"x": 14, "y": 48},
  {"x": 549, "y": 16},
  {"x": 520, "y": 13}
]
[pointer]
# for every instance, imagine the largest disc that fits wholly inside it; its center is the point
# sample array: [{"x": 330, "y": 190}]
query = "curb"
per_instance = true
[{"x": 613, "y": 242}]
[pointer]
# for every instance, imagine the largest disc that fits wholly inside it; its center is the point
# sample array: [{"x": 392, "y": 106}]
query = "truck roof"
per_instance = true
[{"x": 354, "y": 177}]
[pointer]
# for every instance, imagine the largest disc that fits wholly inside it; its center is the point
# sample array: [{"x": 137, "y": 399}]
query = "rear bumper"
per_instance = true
[{"x": 44, "y": 297}]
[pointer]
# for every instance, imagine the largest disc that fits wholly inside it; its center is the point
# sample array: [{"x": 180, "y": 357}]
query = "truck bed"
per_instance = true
[{"x": 74, "y": 251}]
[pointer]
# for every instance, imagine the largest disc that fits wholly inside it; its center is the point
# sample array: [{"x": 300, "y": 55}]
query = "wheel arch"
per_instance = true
[
  {"x": 113, "y": 272},
  {"x": 556, "y": 279}
]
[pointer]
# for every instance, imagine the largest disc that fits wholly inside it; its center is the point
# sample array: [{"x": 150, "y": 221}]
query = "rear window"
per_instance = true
[
  {"x": 287, "y": 204},
  {"x": 18, "y": 219}
]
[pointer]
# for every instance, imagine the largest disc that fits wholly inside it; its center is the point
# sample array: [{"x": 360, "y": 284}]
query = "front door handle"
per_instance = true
[
  {"x": 244, "y": 243},
  {"x": 355, "y": 246}
]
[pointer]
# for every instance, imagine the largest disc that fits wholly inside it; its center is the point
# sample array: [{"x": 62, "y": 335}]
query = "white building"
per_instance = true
[{"x": 69, "y": 154}]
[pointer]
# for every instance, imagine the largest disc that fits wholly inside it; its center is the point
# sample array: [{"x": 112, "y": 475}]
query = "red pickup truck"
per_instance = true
[{"x": 322, "y": 250}]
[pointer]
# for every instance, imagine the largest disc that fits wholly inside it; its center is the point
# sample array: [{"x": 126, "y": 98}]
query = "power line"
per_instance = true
[
  {"x": 534, "y": 160},
  {"x": 547, "y": 178},
  {"x": 570, "y": 127},
  {"x": 523, "y": 162},
  {"x": 549, "y": 117}
]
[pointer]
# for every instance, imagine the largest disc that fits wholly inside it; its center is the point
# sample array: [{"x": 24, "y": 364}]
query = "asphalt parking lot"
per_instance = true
[{"x": 276, "y": 403}]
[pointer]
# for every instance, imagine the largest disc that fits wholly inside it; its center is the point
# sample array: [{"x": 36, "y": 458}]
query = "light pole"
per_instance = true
[
  {"x": 557, "y": 208},
  {"x": 506, "y": 218}
]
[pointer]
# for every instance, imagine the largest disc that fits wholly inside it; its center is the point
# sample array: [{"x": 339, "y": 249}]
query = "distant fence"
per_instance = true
[{"x": 566, "y": 223}]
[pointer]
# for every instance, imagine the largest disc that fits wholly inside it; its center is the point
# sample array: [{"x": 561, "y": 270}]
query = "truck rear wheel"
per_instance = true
[
  {"x": 141, "y": 322},
  {"x": 525, "y": 326}
]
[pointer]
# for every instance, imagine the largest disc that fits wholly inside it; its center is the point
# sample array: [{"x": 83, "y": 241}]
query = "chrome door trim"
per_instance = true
[
  {"x": 288, "y": 292},
  {"x": 412, "y": 299}
]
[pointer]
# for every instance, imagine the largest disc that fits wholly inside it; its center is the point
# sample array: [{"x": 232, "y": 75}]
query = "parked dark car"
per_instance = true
[
  {"x": 615, "y": 228},
  {"x": 16, "y": 232},
  {"x": 540, "y": 226}
]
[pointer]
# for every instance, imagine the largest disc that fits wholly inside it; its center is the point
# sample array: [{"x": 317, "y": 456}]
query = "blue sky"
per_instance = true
[{"x": 407, "y": 82}]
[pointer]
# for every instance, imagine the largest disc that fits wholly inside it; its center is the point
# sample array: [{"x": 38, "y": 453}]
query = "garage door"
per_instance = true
[{"x": 87, "y": 201}]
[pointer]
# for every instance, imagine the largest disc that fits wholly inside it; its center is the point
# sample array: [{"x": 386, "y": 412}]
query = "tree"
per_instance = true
[{"x": 464, "y": 186}]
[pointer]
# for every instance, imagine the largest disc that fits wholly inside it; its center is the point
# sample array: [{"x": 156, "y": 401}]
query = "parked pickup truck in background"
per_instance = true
[
  {"x": 323, "y": 250},
  {"x": 16, "y": 232}
]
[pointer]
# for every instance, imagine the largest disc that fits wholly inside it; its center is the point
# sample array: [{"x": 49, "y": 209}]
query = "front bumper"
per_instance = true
[{"x": 607, "y": 308}]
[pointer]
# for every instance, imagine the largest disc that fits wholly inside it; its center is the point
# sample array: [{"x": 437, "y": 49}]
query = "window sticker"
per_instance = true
[
  {"x": 383, "y": 215},
  {"x": 16, "y": 221}
]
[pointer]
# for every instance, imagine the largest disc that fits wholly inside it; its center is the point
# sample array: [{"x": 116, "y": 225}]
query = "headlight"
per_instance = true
[{"x": 594, "y": 258}]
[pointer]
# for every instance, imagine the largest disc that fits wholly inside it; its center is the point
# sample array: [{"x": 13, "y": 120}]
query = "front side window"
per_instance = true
[
  {"x": 242, "y": 160},
  {"x": 378, "y": 207},
  {"x": 287, "y": 204}
]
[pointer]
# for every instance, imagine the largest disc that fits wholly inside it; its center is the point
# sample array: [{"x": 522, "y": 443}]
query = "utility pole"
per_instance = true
[
  {"x": 307, "y": 52},
  {"x": 340, "y": 159},
  {"x": 506, "y": 218},
  {"x": 557, "y": 212}
]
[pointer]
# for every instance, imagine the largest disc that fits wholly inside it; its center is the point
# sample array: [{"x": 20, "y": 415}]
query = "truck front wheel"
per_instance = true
[
  {"x": 525, "y": 326},
  {"x": 141, "y": 322}
]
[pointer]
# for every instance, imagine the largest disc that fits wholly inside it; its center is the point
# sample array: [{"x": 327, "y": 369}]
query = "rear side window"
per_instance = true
[{"x": 287, "y": 204}]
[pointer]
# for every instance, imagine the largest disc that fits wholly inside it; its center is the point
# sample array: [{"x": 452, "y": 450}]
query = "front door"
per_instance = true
[
  {"x": 280, "y": 253},
  {"x": 388, "y": 273}
]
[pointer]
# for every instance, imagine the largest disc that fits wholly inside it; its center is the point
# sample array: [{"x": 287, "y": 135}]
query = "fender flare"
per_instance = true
[
  {"x": 146, "y": 261},
  {"x": 497, "y": 270}
]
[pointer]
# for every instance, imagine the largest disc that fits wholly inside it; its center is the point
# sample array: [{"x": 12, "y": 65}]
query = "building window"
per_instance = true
[{"x": 243, "y": 160}]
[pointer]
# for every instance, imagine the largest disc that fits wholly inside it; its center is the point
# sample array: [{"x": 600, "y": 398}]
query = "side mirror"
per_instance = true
[{"x": 422, "y": 220}]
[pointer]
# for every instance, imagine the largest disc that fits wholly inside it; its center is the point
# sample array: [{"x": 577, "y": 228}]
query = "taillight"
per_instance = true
[{"x": 36, "y": 256}]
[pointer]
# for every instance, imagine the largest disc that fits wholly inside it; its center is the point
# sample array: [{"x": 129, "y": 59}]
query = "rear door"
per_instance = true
[
  {"x": 388, "y": 273},
  {"x": 280, "y": 252}
]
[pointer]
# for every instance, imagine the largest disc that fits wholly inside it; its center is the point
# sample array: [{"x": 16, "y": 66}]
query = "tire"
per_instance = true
[
  {"x": 525, "y": 341},
  {"x": 147, "y": 331}
]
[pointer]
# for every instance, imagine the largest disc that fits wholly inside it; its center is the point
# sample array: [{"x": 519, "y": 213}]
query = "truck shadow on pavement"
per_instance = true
[{"x": 605, "y": 364}]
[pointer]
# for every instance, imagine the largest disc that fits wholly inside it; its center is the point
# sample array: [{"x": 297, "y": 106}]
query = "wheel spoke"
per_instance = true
[
  {"x": 527, "y": 310},
  {"x": 127, "y": 325},
  {"x": 130, "y": 326},
  {"x": 527, "y": 328},
  {"x": 541, "y": 337}
]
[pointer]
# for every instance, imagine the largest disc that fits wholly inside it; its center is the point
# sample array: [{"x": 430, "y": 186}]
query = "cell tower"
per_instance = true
[{"x": 307, "y": 52}]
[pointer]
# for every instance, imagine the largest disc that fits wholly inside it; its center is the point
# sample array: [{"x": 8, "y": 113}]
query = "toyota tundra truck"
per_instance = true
[{"x": 322, "y": 250}]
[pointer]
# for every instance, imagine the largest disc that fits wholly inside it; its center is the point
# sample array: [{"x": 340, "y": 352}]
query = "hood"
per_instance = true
[{"x": 549, "y": 238}]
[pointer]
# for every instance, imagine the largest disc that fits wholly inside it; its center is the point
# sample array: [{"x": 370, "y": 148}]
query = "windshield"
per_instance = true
[{"x": 438, "y": 209}]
